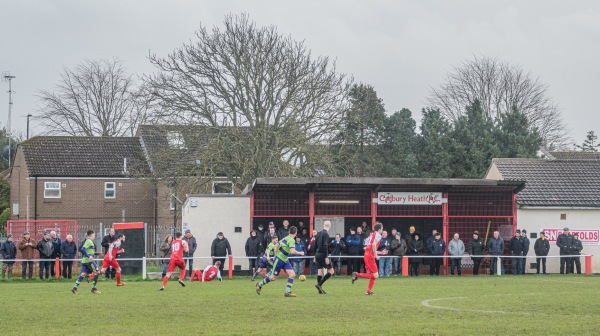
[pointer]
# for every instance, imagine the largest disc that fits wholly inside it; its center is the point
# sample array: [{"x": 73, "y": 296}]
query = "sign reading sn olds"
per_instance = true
[
  {"x": 409, "y": 198},
  {"x": 587, "y": 237}
]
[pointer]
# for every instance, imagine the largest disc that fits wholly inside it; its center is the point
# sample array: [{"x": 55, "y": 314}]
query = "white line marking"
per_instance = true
[{"x": 426, "y": 303}]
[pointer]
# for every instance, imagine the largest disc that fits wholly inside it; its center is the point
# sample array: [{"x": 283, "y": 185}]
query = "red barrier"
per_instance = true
[
  {"x": 57, "y": 268},
  {"x": 404, "y": 266},
  {"x": 230, "y": 266},
  {"x": 588, "y": 265}
]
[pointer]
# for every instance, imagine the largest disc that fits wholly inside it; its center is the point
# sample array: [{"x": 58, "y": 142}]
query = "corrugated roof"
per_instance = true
[
  {"x": 68, "y": 156},
  {"x": 561, "y": 183},
  {"x": 388, "y": 181}
]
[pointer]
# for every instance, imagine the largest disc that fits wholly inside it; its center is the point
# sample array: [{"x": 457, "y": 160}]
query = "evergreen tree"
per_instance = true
[
  {"x": 357, "y": 144},
  {"x": 589, "y": 144},
  {"x": 400, "y": 145},
  {"x": 514, "y": 137},
  {"x": 434, "y": 154},
  {"x": 474, "y": 143}
]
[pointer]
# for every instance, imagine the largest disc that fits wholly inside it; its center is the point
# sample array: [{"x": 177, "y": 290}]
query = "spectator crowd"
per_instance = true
[{"x": 348, "y": 250}]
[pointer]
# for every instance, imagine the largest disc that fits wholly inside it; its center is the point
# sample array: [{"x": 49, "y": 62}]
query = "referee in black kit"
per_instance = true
[{"x": 322, "y": 256}]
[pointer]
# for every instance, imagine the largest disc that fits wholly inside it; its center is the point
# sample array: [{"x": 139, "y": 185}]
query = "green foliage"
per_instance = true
[
  {"x": 590, "y": 143},
  {"x": 4, "y": 216},
  {"x": 434, "y": 153},
  {"x": 362, "y": 132},
  {"x": 514, "y": 137},
  {"x": 499, "y": 305},
  {"x": 400, "y": 146},
  {"x": 474, "y": 143}
]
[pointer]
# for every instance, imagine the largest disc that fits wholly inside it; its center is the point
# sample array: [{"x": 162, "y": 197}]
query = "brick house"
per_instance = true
[
  {"x": 89, "y": 179},
  {"x": 109, "y": 179}
]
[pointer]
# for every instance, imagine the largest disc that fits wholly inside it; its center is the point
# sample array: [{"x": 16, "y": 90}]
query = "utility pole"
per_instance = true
[{"x": 8, "y": 77}]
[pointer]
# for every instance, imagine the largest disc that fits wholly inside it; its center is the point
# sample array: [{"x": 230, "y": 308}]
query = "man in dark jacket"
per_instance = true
[
  {"x": 8, "y": 250},
  {"x": 338, "y": 248},
  {"x": 106, "y": 241},
  {"x": 496, "y": 249},
  {"x": 565, "y": 243},
  {"x": 189, "y": 255},
  {"x": 284, "y": 230},
  {"x": 399, "y": 249},
  {"x": 516, "y": 250},
  {"x": 526, "y": 244},
  {"x": 260, "y": 233},
  {"x": 438, "y": 247},
  {"x": 310, "y": 251},
  {"x": 219, "y": 250},
  {"x": 430, "y": 240},
  {"x": 476, "y": 250},
  {"x": 68, "y": 250},
  {"x": 353, "y": 244},
  {"x": 254, "y": 250},
  {"x": 269, "y": 234},
  {"x": 56, "y": 242},
  {"x": 576, "y": 250},
  {"x": 541, "y": 248},
  {"x": 385, "y": 248},
  {"x": 45, "y": 249},
  {"x": 428, "y": 246}
]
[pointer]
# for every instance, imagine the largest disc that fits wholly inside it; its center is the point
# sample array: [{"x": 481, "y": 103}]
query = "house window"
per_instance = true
[
  {"x": 222, "y": 187},
  {"x": 110, "y": 190},
  {"x": 172, "y": 204},
  {"x": 51, "y": 189}
]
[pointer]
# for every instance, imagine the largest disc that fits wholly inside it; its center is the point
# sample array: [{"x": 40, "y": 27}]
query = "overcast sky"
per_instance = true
[{"x": 401, "y": 48}]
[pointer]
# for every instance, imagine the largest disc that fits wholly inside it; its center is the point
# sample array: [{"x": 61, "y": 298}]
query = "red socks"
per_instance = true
[
  {"x": 365, "y": 275},
  {"x": 182, "y": 275},
  {"x": 371, "y": 283},
  {"x": 165, "y": 279},
  {"x": 118, "y": 277}
]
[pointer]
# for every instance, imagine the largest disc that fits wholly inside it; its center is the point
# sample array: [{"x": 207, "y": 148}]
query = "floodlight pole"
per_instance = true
[{"x": 9, "y": 78}]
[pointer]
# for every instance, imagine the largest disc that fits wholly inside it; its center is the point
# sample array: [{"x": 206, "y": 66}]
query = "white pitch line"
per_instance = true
[
  {"x": 426, "y": 303},
  {"x": 571, "y": 282}
]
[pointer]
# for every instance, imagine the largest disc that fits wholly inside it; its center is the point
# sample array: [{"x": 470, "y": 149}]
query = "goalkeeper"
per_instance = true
[{"x": 266, "y": 261}]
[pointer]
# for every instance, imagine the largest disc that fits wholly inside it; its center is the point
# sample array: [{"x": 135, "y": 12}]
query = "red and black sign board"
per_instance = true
[{"x": 134, "y": 246}]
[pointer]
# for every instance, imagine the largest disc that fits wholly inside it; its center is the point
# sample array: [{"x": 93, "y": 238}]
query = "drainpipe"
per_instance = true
[{"x": 35, "y": 199}]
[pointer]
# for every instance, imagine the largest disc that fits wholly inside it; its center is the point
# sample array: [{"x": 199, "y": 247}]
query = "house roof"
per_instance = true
[
  {"x": 173, "y": 149},
  {"x": 572, "y": 155},
  {"x": 68, "y": 156},
  {"x": 559, "y": 183},
  {"x": 379, "y": 181}
]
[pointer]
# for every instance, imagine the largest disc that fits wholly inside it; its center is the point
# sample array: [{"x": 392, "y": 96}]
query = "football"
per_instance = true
[{"x": 302, "y": 277}]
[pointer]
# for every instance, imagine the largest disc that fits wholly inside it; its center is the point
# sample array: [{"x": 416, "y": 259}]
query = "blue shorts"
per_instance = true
[
  {"x": 279, "y": 265},
  {"x": 263, "y": 263},
  {"x": 89, "y": 268}
]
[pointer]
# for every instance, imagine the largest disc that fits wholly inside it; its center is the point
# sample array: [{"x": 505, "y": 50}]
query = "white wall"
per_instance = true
[
  {"x": 536, "y": 219},
  {"x": 215, "y": 214}
]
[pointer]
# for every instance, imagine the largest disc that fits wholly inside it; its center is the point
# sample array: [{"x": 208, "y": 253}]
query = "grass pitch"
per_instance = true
[{"x": 506, "y": 305}]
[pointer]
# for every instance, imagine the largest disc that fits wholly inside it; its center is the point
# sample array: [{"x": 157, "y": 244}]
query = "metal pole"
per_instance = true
[
  {"x": 28, "y": 116},
  {"x": 10, "y": 103}
]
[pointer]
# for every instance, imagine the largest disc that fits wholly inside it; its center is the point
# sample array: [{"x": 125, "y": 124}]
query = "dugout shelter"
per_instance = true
[{"x": 448, "y": 205}]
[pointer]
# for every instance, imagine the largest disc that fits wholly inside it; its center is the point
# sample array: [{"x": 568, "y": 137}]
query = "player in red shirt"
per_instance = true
[
  {"x": 110, "y": 259},
  {"x": 370, "y": 258},
  {"x": 177, "y": 248},
  {"x": 210, "y": 273}
]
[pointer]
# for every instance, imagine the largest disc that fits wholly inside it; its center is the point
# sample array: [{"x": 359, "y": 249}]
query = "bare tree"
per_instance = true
[
  {"x": 264, "y": 102},
  {"x": 500, "y": 87},
  {"x": 96, "y": 98}
]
